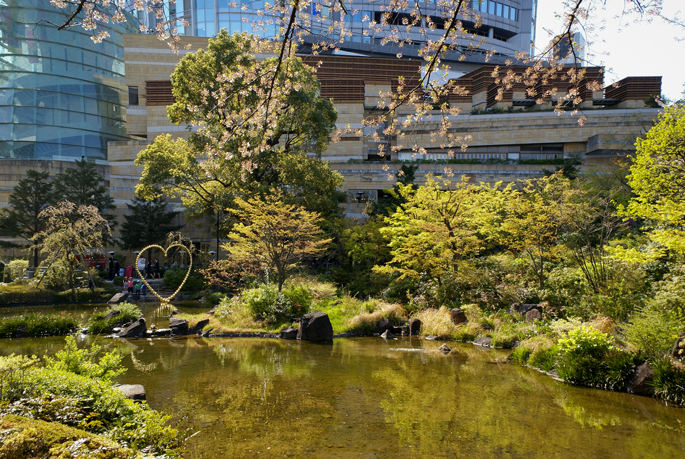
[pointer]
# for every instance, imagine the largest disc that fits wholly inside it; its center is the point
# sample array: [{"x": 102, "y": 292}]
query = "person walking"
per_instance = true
[
  {"x": 117, "y": 268},
  {"x": 157, "y": 273},
  {"x": 111, "y": 269},
  {"x": 148, "y": 270}
]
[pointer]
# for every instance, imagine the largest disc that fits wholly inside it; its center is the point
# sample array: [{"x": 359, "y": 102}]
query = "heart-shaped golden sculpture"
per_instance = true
[{"x": 164, "y": 251}]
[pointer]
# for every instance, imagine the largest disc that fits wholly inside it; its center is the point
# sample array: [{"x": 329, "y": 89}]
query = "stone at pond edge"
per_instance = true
[
  {"x": 20, "y": 332},
  {"x": 112, "y": 314},
  {"x": 289, "y": 333},
  {"x": 178, "y": 326},
  {"x": 483, "y": 341},
  {"x": 387, "y": 335},
  {"x": 533, "y": 315},
  {"x": 678, "y": 351},
  {"x": 213, "y": 310},
  {"x": 414, "y": 326},
  {"x": 431, "y": 337},
  {"x": 458, "y": 316},
  {"x": 382, "y": 325},
  {"x": 639, "y": 382},
  {"x": 315, "y": 326},
  {"x": 118, "y": 298},
  {"x": 445, "y": 349},
  {"x": 199, "y": 326},
  {"x": 135, "y": 329},
  {"x": 135, "y": 392},
  {"x": 175, "y": 312}
]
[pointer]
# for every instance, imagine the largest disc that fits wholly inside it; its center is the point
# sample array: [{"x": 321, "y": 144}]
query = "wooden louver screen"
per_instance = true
[{"x": 158, "y": 93}]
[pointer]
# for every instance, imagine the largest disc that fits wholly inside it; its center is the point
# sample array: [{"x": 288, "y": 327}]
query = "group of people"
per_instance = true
[
  {"x": 113, "y": 268},
  {"x": 135, "y": 290},
  {"x": 152, "y": 271}
]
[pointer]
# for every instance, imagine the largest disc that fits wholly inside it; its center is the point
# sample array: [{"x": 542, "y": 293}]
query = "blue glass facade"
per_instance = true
[{"x": 61, "y": 94}]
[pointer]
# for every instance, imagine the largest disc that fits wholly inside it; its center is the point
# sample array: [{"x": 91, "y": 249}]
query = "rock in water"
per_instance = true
[
  {"x": 445, "y": 349},
  {"x": 382, "y": 325},
  {"x": 199, "y": 326},
  {"x": 118, "y": 298},
  {"x": 483, "y": 341},
  {"x": 135, "y": 392},
  {"x": 414, "y": 327},
  {"x": 175, "y": 312},
  {"x": 458, "y": 316},
  {"x": 289, "y": 333},
  {"x": 20, "y": 332},
  {"x": 639, "y": 383},
  {"x": 178, "y": 326},
  {"x": 112, "y": 314},
  {"x": 387, "y": 334},
  {"x": 315, "y": 326},
  {"x": 134, "y": 329},
  {"x": 533, "y": 315}
]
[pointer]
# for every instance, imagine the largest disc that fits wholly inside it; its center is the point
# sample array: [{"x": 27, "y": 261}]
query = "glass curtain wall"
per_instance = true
[{"x": 61, "y": 94}]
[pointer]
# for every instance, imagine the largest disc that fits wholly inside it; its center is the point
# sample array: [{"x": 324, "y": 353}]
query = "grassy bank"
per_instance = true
[
  {"x": 68, "y": 403},
  {"x": 17, "y": 294},
  {"x": 37, "y": 325}
]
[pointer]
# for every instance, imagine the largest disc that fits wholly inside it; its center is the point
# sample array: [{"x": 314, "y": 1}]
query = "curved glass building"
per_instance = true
[{"x": 61, "y": 94}]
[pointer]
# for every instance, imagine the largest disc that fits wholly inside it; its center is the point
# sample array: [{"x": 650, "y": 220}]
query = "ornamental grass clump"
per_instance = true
[
  {"x": 366, "y": 321},
  {"x": 437, "y": 322},
  {"x": 538, "y": 351}
]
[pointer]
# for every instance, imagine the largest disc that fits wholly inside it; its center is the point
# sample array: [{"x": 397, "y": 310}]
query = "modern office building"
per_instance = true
[
  {"x": 62, "y": 96},
  {"x": 508, "y": 26}
]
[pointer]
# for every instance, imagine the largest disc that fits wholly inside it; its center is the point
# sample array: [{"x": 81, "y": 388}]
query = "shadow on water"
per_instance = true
[{"x": 364, "y": 397}]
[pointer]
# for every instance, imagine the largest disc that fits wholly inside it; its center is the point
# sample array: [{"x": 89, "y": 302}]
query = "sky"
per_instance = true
[{"x": 627, "y": 48}]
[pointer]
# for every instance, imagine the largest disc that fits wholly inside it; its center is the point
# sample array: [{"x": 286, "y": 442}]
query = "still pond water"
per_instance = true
[{"x": 368, "y": 398}]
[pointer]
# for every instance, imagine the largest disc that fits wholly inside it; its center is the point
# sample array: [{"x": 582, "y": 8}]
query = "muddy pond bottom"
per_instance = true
[{"x": 368, "y": 398}]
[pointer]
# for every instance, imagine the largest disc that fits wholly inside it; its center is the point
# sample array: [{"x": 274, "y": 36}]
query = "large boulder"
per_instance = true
[
  {"x": 178, "y": 326},
  {"x": 118, "y": 298},
  {"x": 134, "y": 329},
  {"x": 289, "y": 333},
  {"x": 524, "y": 308},
  {"x": 458, "y": 316},
  {"x": 414, "y": 326},
  {"x": 199, "y": 326},
  {"x": 640, "y": 382},
  {"x": 533, "y": 315},
  {"x": 445, "y": 349},
  {"x": 382, "y": 325},
  {"x": 135, "y": 392},
  {"x": 315, "y": 326}
]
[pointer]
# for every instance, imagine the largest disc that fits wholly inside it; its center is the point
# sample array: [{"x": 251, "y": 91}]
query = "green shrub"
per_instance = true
[
  {"x": 127, "y": 312},
  {"x": 652, "y": 331},
  {"x": 15, "y": 270},
  {"x": 76, "y": 390},
  {"x": 118, "y": 281},
  {"x": 537, "y": 351},
  {"x": 84, "y": 295},
  {"x": 173, "y": 278},
  {"x": 24, "y": 294},
  {"x": 669, "y": 381},
  {"x": 544, "y": 358},
  {"x": 267, "y": 303},
  {"x": 37, "y": 325},
  {"x": 589, "y": 357},
  {"x": 213, "y": 298}
]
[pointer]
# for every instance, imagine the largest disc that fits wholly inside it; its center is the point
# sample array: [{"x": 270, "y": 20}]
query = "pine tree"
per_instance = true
[
  {"x": 147, "y": 223},
  {"x": 22, "y": 219},
  {"x": 83, "y": 186}
]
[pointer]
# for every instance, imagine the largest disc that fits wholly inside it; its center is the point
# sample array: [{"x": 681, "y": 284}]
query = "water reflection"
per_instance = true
[{"x": 370, "y": 398}]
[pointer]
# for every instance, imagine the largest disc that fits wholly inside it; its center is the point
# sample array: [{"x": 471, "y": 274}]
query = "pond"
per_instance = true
[{"x": 368, "y": 398}]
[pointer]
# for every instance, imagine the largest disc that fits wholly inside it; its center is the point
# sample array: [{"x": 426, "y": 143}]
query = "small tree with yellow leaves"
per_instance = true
[{"x": 274, "y": 236}]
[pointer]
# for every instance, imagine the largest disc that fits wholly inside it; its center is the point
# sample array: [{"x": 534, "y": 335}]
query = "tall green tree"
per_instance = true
[
  {"x": 220, "y": 161},
  {"x": 23, "y": 217},
  {"x": 147, "y": 222},
  {"x": 84, "y": 186},
  {"x": 657, "y": 178}
]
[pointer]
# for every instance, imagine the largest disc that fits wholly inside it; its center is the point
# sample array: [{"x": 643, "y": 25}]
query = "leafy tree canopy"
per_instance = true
[
  {"x": 84, "y": 186},
  {"x": 147, "y": 223}
]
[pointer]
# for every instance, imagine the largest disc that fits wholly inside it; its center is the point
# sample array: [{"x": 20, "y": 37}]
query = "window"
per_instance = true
[
  {"x": 133, "y": 95},
  {"x": 499, "y": 9},
  {"x": 512, "y": 13},
  {"x": 506, "y": 12},
  {"x": 491, "y": 7}
]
